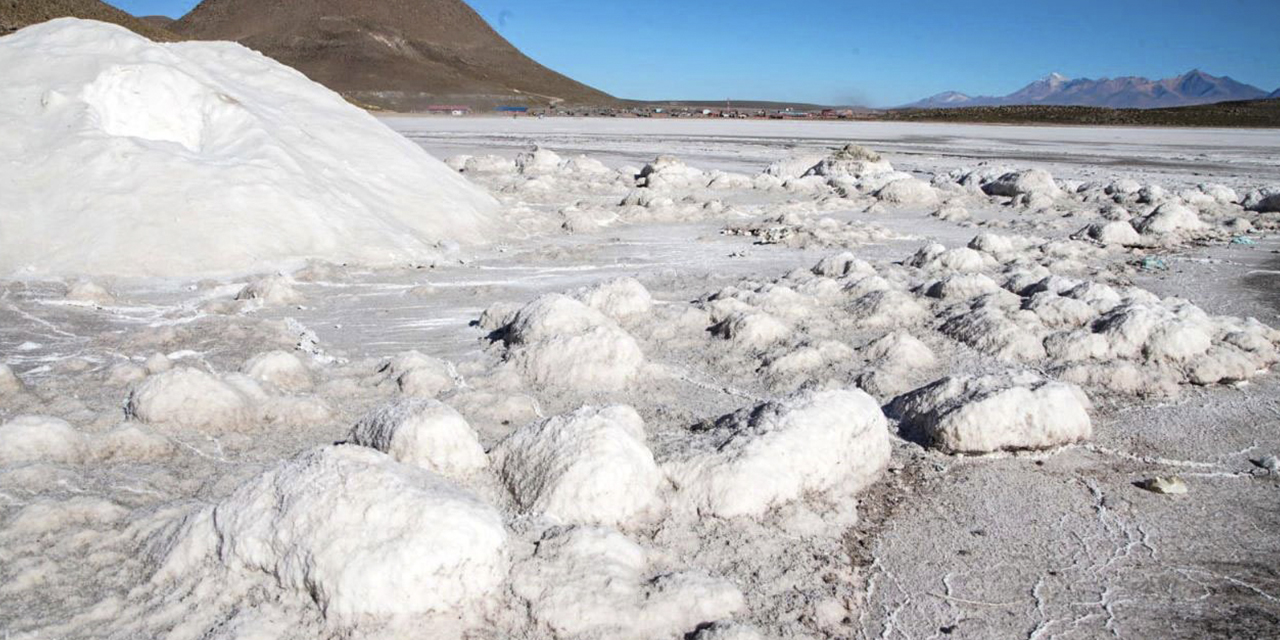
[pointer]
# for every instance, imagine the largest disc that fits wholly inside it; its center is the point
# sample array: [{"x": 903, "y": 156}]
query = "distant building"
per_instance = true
[
  {"x": 509, "y": 109},
  {"x": 450, "y": 109}
]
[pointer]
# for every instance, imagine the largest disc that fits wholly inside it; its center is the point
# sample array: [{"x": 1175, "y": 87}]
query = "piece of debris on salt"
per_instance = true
[
  {"x": 1171, "y": 485},
  {"x": 1270, "y": 463}
]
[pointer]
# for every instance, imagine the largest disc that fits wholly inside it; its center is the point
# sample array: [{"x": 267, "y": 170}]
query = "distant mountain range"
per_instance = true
[
  {"x": 1191, "y": 88},
  {"x": 1274, "y": 94}
]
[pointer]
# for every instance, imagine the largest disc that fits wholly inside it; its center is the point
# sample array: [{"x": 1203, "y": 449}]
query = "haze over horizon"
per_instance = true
[{"x": 870, "y": 53}]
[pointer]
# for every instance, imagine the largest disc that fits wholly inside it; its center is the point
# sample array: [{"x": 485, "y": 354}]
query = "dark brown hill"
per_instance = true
[
  {"x": 394, "y": 54},
  {"x": 163, "y": 22},
  {"x": 16, "y": 14}
]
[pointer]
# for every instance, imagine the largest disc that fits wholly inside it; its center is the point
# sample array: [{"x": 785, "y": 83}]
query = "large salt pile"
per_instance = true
[{"x": 128, "y": 157}]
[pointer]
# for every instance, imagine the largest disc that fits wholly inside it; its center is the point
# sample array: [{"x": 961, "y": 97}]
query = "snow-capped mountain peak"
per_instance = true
[{"x": 1193, "y": 87}]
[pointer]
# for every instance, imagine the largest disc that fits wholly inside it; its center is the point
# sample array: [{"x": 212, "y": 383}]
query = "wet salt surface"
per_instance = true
[
  {"x": 438, "y": 322},
  {"x": 373, "y": 314},
  {"x": 734, "y": 145}
]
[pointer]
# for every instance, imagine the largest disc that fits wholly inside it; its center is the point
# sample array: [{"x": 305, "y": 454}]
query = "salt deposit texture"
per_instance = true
[{"x": 619, "y": 379}]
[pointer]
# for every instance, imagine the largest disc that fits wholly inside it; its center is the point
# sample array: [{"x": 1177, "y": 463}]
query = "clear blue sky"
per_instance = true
[{"x": 874, "y": 52}]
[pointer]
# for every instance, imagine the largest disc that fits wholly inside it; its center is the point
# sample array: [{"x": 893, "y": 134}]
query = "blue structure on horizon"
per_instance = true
[{"x": 513, "y": 109}]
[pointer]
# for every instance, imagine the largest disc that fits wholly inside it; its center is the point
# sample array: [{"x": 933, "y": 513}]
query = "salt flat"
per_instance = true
[{"x": 735, "y": 331}]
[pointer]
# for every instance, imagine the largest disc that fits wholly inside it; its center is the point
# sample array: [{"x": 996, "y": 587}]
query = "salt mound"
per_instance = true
[
  {"x": 190, "y": 398},
  {"x": 1123, "y": 187},
  {"x": 1030, "y": 183},
  {"x": 890, "y": 308},
  {"x": 990, "y": 413},
  {"x": 936, "y": 257},
  {"x": 960, "y": 286},
  {"x": 418, "y": 375},
  {"x": 130, "y": 442},
  {"x": 158, "y": 363},
  {"x": 843, "y": 264},
  {"x": 900, "y": 351},
  {"x": 802, "y": 232},
  {"x": 281, "y": 369},
  {"x": 426, "y": 433},
  {"x": 730, "y": 181},
  {"x": 669, "y": 172},
  {"x": 584, "y": 166},
  {"x": 908, "y": 191},
  {"x": 538, "y": 161},
  {"x": 620, "y": 298},
  {"x": 273, "y": 290},
  {"x": 558, "y": 341},
  {"x": 486, "y": 164},
  {"x": 1168, "y": 218},
  {"x": 1263, "y": 200},
  {"x": 147, "y": 159},
  {"x": 590, "y": 466},
  {"x": 591, "y": 582},
  {"x": 806, "y": 359},
  {"x": 46, "y": 515},
  {"x": 1154, "y": 194},
  {"x": 752, "y": 330},
  {"x": 362, "y": 535},
  {"x": 991, "y": 329},
  {"x": 92, "y": 292},
  {"x": 794, "y": 166},
  {"x": 40, "y": 438},
  {"x": 851, "y": 160},
  {"x": 777, "y": 452}
]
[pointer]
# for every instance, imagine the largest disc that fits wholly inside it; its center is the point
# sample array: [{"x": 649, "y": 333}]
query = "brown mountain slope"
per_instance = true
[
  {"x": 396, "y": 54},
  {"x": 16, "y": 14},
  {"x": 163, "y": 22}
]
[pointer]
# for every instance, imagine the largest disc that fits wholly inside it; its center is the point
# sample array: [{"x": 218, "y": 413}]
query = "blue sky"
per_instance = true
[{"x": 874, "y": 52}]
